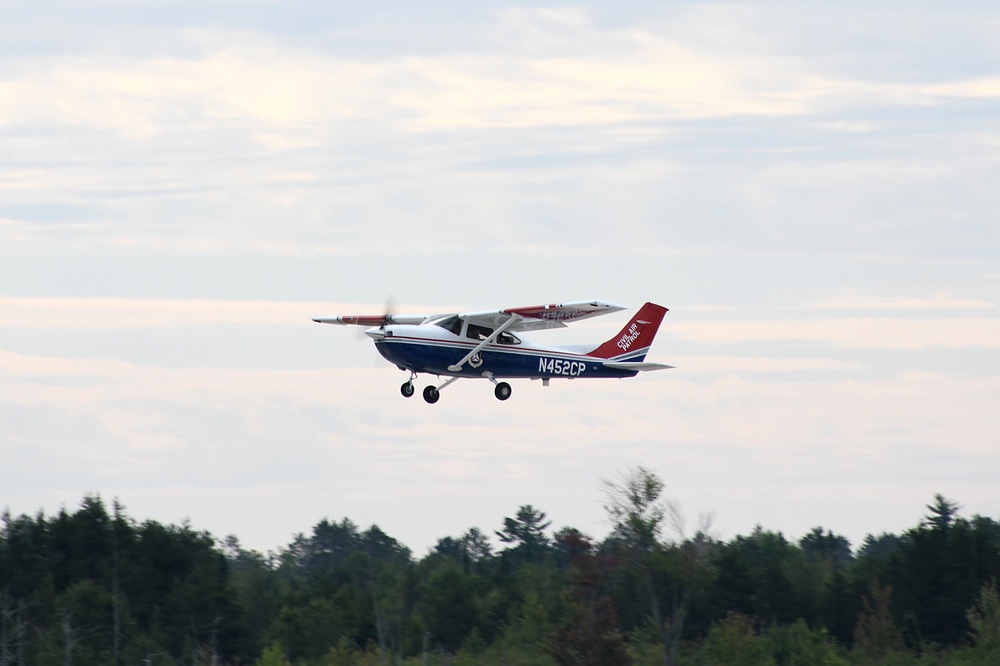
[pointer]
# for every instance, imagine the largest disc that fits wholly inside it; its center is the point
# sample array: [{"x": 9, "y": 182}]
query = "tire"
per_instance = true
[
  {"x": 502, "y": 391},
  {"x": 431, "y": 394}
]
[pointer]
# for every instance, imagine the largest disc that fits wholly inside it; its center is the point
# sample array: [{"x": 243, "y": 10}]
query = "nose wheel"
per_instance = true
[{"x": 407, "y": 389}]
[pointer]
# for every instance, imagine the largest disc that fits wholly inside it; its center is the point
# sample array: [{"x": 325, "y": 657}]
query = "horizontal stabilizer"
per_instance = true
[{"x": 638, "y": 366}]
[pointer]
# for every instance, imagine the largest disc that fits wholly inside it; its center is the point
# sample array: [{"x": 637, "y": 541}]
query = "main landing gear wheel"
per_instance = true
[
  {"x": 407, "y": 389},
  {"x": 502, "y": 391},
  {"x": 431, "y": 394}
]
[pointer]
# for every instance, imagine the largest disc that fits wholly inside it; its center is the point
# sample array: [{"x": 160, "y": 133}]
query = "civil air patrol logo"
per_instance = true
[{"x": 476, "y": 360}]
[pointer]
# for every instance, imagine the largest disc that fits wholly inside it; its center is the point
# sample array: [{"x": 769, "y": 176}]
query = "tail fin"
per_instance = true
[{"x": 633, "y": 341}]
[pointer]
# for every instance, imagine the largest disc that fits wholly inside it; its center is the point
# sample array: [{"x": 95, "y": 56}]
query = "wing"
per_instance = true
[
  {"x": 373, "y": 320},
  {"x": 538, "y": 317},
  {"x": 530, "y": 318}
]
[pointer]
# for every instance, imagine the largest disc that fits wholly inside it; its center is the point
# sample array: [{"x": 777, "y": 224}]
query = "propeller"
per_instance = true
[
  {"x": 388, "y": 310},
  {"x": 380, "y": 321}
]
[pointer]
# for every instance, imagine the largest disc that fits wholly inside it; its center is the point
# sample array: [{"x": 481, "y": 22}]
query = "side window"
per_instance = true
[
  {"x": 508, "y": 339},
  {"x": 477, "y": 332}
]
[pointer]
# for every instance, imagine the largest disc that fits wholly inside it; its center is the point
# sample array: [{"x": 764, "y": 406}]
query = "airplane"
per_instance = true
[{"x": 484, "y": 345}]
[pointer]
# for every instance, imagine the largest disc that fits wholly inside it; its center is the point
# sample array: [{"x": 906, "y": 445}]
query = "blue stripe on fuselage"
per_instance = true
[{"x": 434, "y": 358}]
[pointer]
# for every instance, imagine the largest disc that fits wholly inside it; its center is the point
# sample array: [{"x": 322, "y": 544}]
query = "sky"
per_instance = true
[{"x": 810, "y": 188}]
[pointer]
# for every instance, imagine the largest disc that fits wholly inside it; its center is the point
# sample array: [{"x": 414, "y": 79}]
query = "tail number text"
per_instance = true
[{"x": 555, "y": 366}]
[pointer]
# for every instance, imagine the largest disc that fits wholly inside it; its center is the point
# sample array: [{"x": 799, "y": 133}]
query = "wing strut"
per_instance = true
[{"x": 478, "y": 348}]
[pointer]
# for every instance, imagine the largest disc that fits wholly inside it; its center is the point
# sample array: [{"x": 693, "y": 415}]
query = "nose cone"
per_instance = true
[{"x": 377, "y": 334}]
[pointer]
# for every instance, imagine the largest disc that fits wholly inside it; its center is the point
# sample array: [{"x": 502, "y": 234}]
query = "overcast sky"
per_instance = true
[{"x": 813, "y": 189}]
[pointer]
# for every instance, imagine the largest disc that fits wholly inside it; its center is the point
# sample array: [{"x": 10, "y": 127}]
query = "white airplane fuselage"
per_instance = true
[{"x": 432, "y": 349}]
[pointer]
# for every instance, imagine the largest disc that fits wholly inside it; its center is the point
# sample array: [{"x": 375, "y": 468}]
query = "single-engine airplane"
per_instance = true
[{"x": 484, "y": 344}]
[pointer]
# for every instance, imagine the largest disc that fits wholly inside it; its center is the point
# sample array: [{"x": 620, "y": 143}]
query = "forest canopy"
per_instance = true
[{"x": 95, "y": 586}]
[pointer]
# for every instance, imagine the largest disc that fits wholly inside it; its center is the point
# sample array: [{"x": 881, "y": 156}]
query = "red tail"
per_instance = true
[{"x": 634, "y": 340}]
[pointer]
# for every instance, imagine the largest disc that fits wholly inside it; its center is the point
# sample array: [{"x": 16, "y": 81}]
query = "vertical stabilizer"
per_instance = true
[{"x": 633, "y": 341}]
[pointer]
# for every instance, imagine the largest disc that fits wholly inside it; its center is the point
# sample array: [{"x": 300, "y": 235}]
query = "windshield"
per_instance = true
[{"x": 453, "y": 324}]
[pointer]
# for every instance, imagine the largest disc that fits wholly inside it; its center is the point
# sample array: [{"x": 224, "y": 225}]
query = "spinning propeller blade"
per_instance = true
[{"x": 380, "y": 321}]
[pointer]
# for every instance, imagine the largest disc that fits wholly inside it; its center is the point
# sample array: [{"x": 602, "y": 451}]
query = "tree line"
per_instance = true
[{"x": 96, "y": 587}]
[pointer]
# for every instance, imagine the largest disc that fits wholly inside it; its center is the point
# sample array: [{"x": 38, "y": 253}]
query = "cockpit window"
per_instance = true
[
  {"x": 477, "y": 332},
  {"x": 453, "y": 324},
  {"x": 508, "y": 339}
]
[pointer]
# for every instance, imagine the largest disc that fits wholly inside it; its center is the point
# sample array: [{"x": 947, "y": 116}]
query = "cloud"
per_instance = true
[
  {"x": 723, "y": 154},
  {"x": 608, "y": 76},
  {"x": 346, "y": 436},
  {"x": 862, "y": 333},
  {"x": 939, "y": 301},
  {"x": 716, "y": 365},
  {"x": 983, "y": 87},
  {"x": 687, "y": 130},
  {"x": 130, "y": 313},
  {"x": 103, "y": 313}
]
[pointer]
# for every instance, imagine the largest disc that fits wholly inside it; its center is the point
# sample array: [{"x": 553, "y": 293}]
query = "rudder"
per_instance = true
[{"x": 634, "y": 340}]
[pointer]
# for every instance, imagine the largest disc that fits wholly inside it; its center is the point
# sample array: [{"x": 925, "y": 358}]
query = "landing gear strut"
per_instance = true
[
  {"x": 433, "y": 393},
  {"x": 407, "y": 388},
  {"x": 502, "y": 390}
]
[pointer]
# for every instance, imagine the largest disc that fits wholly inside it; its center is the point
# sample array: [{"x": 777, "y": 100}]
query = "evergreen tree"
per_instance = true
[
  {"x": 938, "y": 572},
  {"x": 93, "y": 587},
  {"x": 943, "y": 513},
  {"x": 825, "y": 547},
  {"x": 839, "y": 609},
  {"x": 527, "y": 533},
  {"x": 447, "y": 605}
]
